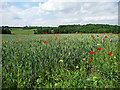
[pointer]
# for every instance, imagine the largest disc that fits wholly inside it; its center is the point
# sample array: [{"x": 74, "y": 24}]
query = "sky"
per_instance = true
[{"x": 58, "y": 12}]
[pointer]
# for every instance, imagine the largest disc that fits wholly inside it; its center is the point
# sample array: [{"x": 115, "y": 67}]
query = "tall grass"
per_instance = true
[{"x": 29, "y": 62}]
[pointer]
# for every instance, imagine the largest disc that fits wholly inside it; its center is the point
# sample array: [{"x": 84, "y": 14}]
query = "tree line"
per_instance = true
[
  {"x": 5, "y": 30},
  {"x": 89, "y": 28},
  {"x": 66, "y": 29}
]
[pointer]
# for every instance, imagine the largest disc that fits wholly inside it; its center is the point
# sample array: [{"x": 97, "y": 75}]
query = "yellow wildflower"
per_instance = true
[
  {"x": 66, "y": 43},
  {"x": 77, "y": 67},
  {"x": 115, "y": 62},
  {"x": 114, "y": 56},
  {"x": 56, "y": 84},
  {"x": 83, "y": 58},
  {"x": 60, "y": 60},
  {"x": 98, "y": 44},
  {"x": 80, "y": 69},
  {"x": 94, "y": 77}
]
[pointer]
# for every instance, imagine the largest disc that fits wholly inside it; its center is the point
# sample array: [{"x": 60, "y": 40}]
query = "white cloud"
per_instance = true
[
  {"x": 98, "y": 18},
  {"x": 63, "y": 12},
  {"x": 26, "y": 5}
]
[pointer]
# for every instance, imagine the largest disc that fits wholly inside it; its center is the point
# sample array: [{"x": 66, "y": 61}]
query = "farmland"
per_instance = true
[
  {"x": 21, "y": 31},
  {"x": 60, "y": 60}
]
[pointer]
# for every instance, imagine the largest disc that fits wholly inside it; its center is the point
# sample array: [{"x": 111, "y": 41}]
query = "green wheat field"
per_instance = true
[{"x": 60, "y": 61}]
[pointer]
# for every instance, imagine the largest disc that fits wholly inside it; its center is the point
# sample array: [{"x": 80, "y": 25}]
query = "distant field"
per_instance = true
[
  {"x": 22, "y": 31},
  {"x": 60, "y": 60}
]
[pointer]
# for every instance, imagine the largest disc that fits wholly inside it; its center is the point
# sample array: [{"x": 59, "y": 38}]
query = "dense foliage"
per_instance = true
[
  {"x": 5, "y": 30},
  {"x": 65, "y": 29},
  {"x": 66, "y": 61},
  {"x": 89, "y": 28}
]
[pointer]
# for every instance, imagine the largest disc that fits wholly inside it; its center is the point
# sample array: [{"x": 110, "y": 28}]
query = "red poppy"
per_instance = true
[
  {"x": 110, "y": 54},
  {"x": 81, "y": 34},
  {"x": 91, "y": 52},
  {"x": 89, "y": 60},
  {"x": 46, "y": 33},
  {"x": 101, "y": 34},
  {"x": 99, "y": 49},
  {"x": 55, "y": 37},
  {"x": 97, "y": 35},
  {"x": 104, "y": 33},
  {"x": 45, "y": 41},
  {"x": 2, "y": 40},
  {"x": 21, "y": 38},
  {"x": 91, "y": 35},
  {"x": 95, "y": 51},
  {"x": 106, "y": 36},
  {"x": 16, "y": 37}
]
